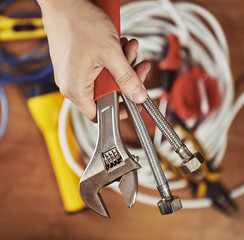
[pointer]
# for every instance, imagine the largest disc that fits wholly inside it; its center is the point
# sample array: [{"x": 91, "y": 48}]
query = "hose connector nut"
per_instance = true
[
  {"x": 167, "y": 206},
  {"x": 192, "y": 164}
]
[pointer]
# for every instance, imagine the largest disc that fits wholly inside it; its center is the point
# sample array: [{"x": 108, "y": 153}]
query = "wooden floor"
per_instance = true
[{"x": 30, "y": 203}]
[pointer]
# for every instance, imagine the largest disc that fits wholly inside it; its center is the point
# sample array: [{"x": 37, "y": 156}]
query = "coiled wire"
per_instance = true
[{"x": 148, "y": 22}]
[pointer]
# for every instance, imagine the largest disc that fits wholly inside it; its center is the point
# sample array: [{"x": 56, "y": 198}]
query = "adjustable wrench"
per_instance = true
[{"x": 111, "y": 161}]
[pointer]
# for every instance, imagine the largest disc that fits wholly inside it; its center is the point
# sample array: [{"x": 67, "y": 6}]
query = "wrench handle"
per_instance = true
[{"x": 105, "y": 83}]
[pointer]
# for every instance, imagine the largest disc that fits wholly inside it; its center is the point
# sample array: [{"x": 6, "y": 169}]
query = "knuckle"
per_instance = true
[
  {"x": 65, "y": 90},
  {"x": 86, "y": 93},
  {"x": 86, "y": 107},
  {"x": 126, "y": 79},
  {"x": 110, "y": 49}
]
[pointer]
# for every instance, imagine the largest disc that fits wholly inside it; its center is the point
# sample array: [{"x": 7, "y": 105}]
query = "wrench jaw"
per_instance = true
[
  {"x": 90, "y": 186},
  {"x": 96, "y": 178},
  {"x": 129, "y": 187},
  {"x": 91, "y": 195}
]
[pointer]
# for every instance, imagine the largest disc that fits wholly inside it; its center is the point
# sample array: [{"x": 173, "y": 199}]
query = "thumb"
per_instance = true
[{"x": 127, "y": 79}]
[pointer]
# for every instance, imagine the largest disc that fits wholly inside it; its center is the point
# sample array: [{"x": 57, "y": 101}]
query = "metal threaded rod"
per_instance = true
[
  {"x": 164, "y": 191},
  {"x": 162, "y": 124},
  {"x": 148, "y": 147}
]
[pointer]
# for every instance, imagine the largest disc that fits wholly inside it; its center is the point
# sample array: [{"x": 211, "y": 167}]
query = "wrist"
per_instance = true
[{"x": 51, "y": 4}]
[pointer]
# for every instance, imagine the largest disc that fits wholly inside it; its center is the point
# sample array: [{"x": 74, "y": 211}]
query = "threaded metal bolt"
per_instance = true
[
  {"x": 168, "y": 203},
  {"x": 191, "y": 162}
]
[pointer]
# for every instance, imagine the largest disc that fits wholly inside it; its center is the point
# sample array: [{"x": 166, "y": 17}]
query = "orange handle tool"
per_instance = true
[
  {"x": 172, "y": 60},
  {"x": 105, "y": 83}
]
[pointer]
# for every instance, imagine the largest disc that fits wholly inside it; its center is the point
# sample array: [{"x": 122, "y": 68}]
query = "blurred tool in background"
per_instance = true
[
  {"x": 45, "y": 106},
  {"x": 21, "y": 24},
  {"x": 44, "y": 101},
  {"x": 169, "y": 66},
  {"x": 18, "y": 28},
  {"x": 190, "y": 49}
]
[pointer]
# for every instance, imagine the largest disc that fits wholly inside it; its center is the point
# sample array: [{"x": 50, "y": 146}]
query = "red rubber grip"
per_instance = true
[{"x": 105, "y": 83}]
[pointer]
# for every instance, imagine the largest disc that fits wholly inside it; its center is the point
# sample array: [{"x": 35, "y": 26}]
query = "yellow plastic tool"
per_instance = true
[
  {"x": 21, "y": 28},
  {"x": 45, "y": 112}
]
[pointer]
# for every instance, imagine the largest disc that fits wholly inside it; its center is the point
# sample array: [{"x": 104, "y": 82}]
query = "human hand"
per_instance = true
[{"x": 82, "y": 41}]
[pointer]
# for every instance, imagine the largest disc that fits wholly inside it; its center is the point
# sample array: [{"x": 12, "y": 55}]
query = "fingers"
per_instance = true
[
  {"x": 125, "y": 76},
  {"x": 130, "y": 51},
  {"x": 123, "y": 114},
  {"x": 142, "y": 69},
  {"x": 83, "y": 97},
  {"x": 88, "y": 107}
]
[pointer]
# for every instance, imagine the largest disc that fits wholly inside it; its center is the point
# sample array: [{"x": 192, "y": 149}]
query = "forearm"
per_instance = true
[{"x": 47, "y": 5}]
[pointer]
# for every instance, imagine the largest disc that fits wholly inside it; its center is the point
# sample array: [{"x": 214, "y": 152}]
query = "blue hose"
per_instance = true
[{"x": 19, "y": 69}]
